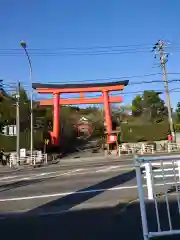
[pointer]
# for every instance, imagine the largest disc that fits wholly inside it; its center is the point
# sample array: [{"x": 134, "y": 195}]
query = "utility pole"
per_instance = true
[
  {"x": 18, "y": 121},
  {"x": 159, "y": 50}
]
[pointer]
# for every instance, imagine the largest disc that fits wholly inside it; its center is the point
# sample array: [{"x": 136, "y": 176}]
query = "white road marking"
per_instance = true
[
  {"x": 76, "y": 170},
  {"x": 66, "y": 194},
  {"x": 62, "y": 194},
  {"x": 9, "y": 177},
  {"x": 79, "y": 171},
  {"x": 76, "y": 192},
  {"x": 107, "y": 169},
  {"x": 26, "y": 178},
  {"x": 32, "y": 176}
]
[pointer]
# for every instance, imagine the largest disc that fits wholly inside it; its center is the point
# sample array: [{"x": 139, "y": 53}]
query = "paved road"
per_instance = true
[
  {"x": 79, "y": 185},
  {"x": 83, "y": 200}
]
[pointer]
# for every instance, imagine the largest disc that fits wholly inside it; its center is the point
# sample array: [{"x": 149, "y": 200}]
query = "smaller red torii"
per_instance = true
[{"x": 58, "y": 89}]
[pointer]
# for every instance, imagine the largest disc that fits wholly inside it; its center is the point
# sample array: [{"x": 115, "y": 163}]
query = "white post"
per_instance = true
[
  {"x": 119, "y": 150},
  {"x": 10, "y": 161},
  {"x": 148, "y": 168},
  {"x": 178, "y": 163},
  {"x": 141, "y": 200},
  {"x": 152, "y": 149},
  {"x": 46, "y": 158},
  {"x": 169, "y": 147},
  {"x": 133, "y": 151}
]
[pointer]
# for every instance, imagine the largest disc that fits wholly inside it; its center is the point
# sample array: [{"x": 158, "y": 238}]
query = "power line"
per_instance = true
[
  {"x": 82, "y": 48},
  {"x": 74, "y": 54},
  {"x": 101, "y": 50},
  {"x": 81, "y": 51},
  {"x": 10, "y": 86}
]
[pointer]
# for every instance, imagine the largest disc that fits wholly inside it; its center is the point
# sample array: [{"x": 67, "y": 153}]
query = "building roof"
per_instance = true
[{"x": 79, "y": 85}]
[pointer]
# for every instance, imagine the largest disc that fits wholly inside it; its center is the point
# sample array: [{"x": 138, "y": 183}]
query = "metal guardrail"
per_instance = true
[
  {"x": 27, "y": 160},
  {"x": 148, "y": 149},
  {"x": 135, "y": 149},
  {"x": 158, "y": 167}
]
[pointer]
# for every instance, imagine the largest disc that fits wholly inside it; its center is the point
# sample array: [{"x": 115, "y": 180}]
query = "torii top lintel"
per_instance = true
[{"x": 76, "y": 88}]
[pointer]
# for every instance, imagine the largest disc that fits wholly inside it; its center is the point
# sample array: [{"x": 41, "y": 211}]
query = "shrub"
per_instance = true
[{"x": 146, "y": 132}]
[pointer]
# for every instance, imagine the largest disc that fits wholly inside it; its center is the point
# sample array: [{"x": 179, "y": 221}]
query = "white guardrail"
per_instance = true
[
  {"x": 148, "y": 149},
  {"x": 27, "y": 160},
  {"x": 158, "y": 168}
]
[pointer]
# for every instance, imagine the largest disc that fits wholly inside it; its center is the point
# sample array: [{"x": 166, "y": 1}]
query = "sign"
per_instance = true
[
  {"x": 46, "y": 141},
  {"x": 112, "y": 138},
  {"x": 9, "y": 130},
  {"x": 22, "y": 152},
  {"x": 169, "y": 138}
]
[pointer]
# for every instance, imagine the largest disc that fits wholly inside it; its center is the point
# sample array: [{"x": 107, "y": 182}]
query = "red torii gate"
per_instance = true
[{"x": 58, "y": 89}]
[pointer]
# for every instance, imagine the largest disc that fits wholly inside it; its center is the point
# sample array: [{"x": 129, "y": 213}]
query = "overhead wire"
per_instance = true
[
  {"x": 82, "y": 48},
  {"x": 81, "y": 51},
  {"x": 8, "y": 85}
]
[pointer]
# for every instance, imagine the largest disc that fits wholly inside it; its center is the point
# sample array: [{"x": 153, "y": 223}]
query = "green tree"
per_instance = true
[
  {"x": 7, "y": 108},
  {"x": 137, "y": 107},
  {"x": 178, "y": 112},
  {"x": 149, "y": 106},
  {"x": 24, "y": 109},
  {"x": 121, "y": 113}
]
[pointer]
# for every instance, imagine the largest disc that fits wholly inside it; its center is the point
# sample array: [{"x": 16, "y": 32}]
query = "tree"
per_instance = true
[
  {"x": 137, "y": 107},
  {"x": 149, "y": 106},
  {"x": 178, "y": 112},
  {"x": 121, "y": 113},
  {"x": 24, "y": 107},
  {"x": 7, "y": 108}
]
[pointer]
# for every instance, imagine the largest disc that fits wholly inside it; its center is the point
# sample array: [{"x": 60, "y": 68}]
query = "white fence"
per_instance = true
[
  {"x": 27, "y": 160},
  {"x": 173, "y": 147},
  {"x": 148, "y": 149},
  {"x": 158, "y": 168}
]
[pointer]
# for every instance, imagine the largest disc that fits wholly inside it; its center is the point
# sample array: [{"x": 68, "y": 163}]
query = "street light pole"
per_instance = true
[{"x": 24, "y": 46}]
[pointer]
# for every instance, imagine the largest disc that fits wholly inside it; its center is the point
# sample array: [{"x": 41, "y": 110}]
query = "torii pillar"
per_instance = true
[
  {"x": 56, "y": 119},
  {"x": 56, "y": 111},
  {"x": 107, "y": 111}
]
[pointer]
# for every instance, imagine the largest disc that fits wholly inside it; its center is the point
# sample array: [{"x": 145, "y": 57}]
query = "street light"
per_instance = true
[{"x": 24, "y": 46}]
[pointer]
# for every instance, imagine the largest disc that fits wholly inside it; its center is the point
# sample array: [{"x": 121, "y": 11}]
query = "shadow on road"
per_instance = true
[
  {"x": 22, "y": 183},
  {"x": 91, "y": 224},
  {"x": 85, "y": 194}
]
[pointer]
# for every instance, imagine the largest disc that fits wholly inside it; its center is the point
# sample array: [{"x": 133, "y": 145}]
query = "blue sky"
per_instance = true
[{"x": 51, "y": 26}]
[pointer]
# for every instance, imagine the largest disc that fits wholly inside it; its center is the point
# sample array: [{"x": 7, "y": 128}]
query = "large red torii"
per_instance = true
[{"x": 58, "y": 89}]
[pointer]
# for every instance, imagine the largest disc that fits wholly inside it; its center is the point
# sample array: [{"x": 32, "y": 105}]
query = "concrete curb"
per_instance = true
[{"x": 80, "y": 159}]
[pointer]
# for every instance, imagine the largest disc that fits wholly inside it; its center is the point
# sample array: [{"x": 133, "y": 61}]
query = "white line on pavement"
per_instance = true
[
  {"x": 79, "y": 171},
  {"x": 6, "y": 178},
  {"x": 107, "y": 169},
  {"x": 66, "y": 193},
  {"x": 32, "y": 176},
  {"x": 74, "y": 193}
]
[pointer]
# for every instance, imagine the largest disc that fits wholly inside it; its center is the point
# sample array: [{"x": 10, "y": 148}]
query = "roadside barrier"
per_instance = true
[
  {"x": 148, "y": 149},
  {"x": 27, "y": 160},
  {"x": 167, "y": 169}
]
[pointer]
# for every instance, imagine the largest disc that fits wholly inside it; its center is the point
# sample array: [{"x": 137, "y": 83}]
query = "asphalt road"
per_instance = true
[
  {"x": 82, "y": 184},
  {"x": 72, "y": 200}
]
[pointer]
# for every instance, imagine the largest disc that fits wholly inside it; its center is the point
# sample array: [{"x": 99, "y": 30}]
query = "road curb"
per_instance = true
[{"x": 80, "y": 159}]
